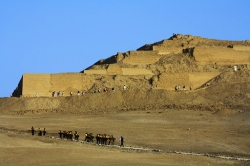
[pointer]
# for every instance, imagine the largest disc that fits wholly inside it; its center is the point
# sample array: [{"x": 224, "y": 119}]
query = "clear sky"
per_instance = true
[{"x": 55, "y": 36}]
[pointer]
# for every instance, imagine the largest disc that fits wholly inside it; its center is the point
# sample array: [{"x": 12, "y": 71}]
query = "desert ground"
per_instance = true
[{"x": 163, "y": 135}]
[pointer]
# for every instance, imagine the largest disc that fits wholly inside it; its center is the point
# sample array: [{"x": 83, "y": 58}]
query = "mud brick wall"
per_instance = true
[
  {"x": 194, "y": 80},
  {"x": 117, "y": 70},
  {"x": 114, "y": 69},
  {"x": 169, "y": 47},
  {"x": 221, "y": 55},
  {"x": 197, "y": 79},
  {"x": 89, "y": 72},
  {"x": 169, "y": 81},
  {"x": 35, "y": 83},
  {"x": 132, "y": 71},
  {"x": 45, "y": 84},
  {"x": 70, "y": 82},
  {"x": 164, "y": 50},
  {"x": 141, "y": 57}
]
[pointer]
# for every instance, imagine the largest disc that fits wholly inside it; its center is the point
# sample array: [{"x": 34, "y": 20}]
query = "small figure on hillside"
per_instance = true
[
  {"x": 113, "y": 89},
  {"x": 44, "y": 132},
  {"x": 58, "y": 93},
  {"x": 124, "y": 87},
  {"x": 190, "y": 87},
  {"x": 122, "y": 140},
  {"x": 184, "y": 87},
  {"x": 78, "y": 93},
  {"x": 36, "y": 94},
  {"x": 71, "y": 93},
  {"x": 32, "y": 130},
  {"x": 83, "y": 92}
]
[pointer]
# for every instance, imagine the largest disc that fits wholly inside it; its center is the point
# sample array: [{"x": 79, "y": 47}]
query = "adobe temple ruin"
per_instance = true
[{"x": 180, "y": 60}]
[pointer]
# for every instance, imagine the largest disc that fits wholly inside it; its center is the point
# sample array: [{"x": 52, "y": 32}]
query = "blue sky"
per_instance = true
[{"x": 55, "y": 36}]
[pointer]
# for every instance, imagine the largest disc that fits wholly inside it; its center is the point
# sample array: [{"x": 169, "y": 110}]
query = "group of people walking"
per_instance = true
[
  {"x": 68, "y": 135},
  {"x": 103, "y": 139},
  {"x": 177, "y": 88},
  {"x": 61, "y": 93},
  {"x": 40, "y": 132},
  {"x": 58, "y": 94}
]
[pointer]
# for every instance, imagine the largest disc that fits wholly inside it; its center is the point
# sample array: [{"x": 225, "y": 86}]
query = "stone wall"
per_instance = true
[{"x": 222, "y": 55}]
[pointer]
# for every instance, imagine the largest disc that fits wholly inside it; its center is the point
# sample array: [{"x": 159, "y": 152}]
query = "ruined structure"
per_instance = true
[{"x": 181, "y": 60}]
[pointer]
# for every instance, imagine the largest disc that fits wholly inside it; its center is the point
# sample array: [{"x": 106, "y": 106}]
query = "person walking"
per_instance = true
[
  {"x": 32, "y": 130},
  {"x": 76, "y": 135},
  {"x": 39, "y": 132},
  {"x": 44, "y": 132},
  {"x": 122, "y": 140}
]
